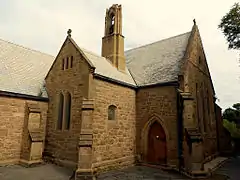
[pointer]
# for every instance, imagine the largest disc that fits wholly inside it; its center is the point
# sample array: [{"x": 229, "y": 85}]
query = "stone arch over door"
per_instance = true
[{"x": 145, "y": 136}]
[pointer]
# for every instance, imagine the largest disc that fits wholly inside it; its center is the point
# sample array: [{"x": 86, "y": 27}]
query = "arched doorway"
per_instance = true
[{"x": 157, "y": 145}]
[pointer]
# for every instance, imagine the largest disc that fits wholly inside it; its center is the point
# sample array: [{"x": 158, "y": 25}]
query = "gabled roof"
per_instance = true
[
  {"x": 103, "y": 66},
  {"x": 23, "y": 70},
  {"x": 158, "y": 62}
]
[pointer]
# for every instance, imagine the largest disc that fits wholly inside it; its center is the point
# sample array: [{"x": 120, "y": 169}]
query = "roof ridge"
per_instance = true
[
  {"x": 24, "y": 47},
  {"x": 158, "y": 41}
]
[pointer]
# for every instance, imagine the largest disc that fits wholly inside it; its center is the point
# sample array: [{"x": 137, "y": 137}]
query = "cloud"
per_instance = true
[{"x": 43, "y": 25}]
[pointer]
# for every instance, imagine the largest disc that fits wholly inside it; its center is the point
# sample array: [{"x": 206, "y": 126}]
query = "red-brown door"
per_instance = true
[{"x": 157, "y": 149}]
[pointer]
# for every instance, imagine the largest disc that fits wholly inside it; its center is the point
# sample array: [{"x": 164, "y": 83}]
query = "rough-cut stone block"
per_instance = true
[
  {"x": 85, "y": 140},
  {"x": 34, "y": 108},
  {"x": 87, "y": 104},
  {"x": 84, "y": 175},
  {"x": 34, "y": 120},
  {"x": 3, "y": 132},
  {"x": 36, "y": 151},
  {"x": 36, "y": 136}
]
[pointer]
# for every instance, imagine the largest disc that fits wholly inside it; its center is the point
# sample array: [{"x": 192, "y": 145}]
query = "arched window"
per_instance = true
[
  {"x": 112, "y": 22},
  {"x": 67, "y": 63},
  {"x": 63, "y": 64},
  {"x": 68, "y": 103},
  {"x": 112, "y": 112},
  {"x": 60, "y": 111},
  {"x": 71, "y": 62}
]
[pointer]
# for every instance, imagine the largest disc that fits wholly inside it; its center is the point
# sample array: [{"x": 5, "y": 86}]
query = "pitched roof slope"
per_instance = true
[
  {"x": 23, "y": 70},
  {"x": 103, "y": 67},
  {"x": 158, "y": 62}
]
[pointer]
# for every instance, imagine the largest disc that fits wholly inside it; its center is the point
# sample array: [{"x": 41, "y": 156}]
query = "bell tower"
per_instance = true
[{"x": 113, "y": 40}]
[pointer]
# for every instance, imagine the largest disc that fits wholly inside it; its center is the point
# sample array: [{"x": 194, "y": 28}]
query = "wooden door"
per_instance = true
[{"x": 157, "y": 149}]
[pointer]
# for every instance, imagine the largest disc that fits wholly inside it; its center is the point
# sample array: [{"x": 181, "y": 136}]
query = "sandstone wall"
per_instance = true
[
  {"x": 113, "y": 140},
  {"x": 12, "y": 115},
  {"x": 197, "y": 81},
  {"x": 62, "y": 144},
  {"x": 158, "y": 103}
]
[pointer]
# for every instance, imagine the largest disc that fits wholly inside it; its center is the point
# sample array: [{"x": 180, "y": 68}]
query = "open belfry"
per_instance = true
[
  {"x": 113, "y": 40},
  {"x": 153, "y": 104}
]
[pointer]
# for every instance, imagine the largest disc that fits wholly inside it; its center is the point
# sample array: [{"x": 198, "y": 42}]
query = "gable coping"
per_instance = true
[
  {"x": 78, "y": 49},
  {"x": 194, "y": 30}
]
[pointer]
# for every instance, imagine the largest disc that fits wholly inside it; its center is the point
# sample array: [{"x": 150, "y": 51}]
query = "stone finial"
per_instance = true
[
  {"x": 69, "y": 32},
  {"x": 194, "y": 21}
]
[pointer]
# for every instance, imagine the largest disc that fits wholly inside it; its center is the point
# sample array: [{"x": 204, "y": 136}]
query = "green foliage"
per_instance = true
[
  {"x": 232, "y": 114},
  {"x": 230, "y": 26},
  {"x": 232, "y": 128},
  {"x": 237, "y": 106},
  {"x": 229, "y": 114}
]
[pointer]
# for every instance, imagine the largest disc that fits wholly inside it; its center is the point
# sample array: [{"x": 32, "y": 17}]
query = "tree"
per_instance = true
[
  {"x": 230, "y": 26},
  {"x": 229, "y": 114},
  {"x": 232, "y": 128},
  {"x": 233, "y": 114},
  {"x": 237, "y": 106}
]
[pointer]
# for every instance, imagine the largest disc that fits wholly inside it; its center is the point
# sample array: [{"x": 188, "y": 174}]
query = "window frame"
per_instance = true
[
  {"x": 67, "y": 111},
  {"x": 71, "y": 61},
  {"x": 67, "y": 63},
  {"x": 60, "y": 111},
  {"x": 63, "y": 64},
  {"x": 112, "y": 109}
]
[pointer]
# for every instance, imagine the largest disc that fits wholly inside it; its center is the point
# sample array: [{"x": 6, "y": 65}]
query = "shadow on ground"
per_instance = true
[
  {"x": 230, "y": 169},
  {"x": 43, "y": 172}
]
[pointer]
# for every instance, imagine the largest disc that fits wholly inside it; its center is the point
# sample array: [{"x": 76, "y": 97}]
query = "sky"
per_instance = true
[{"x": 42, "y": 25}]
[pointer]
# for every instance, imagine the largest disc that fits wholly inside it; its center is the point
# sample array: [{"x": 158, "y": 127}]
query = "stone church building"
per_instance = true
[{"x": 151, "y": 104}]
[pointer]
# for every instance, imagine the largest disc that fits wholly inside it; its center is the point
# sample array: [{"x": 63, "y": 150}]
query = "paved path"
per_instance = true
[
  {"x": 231, "y": 168},
  {"x": 140, "y": 173},
  {"x": 45, "y": 172},
  {"x": 214, "y": 163},
  {"x": 51, "y": 172}
]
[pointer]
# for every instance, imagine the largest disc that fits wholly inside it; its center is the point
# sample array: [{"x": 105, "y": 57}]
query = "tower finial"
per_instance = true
[
  {"x": 194, "y": 21},
  {"x": 69, "y": 32}
]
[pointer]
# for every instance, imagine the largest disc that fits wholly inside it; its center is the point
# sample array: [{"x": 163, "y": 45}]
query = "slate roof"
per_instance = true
[
  {"x": 104, "y": 67},
  {"x": 158, "y": 62},
  {"x": 23, "y": 70}
]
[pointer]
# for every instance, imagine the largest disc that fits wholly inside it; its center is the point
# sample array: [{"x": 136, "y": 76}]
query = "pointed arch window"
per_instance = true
[
  {"x": 71, "y": 62},
  {"x": 68, "y": 104},
  {"x": 60, "y": 111},
  {"x": 112, "y": 112},
  {"x": 67, "y": 62},
  {"x": 63, "y": 63},
  {"x": 112, "y": 22}
]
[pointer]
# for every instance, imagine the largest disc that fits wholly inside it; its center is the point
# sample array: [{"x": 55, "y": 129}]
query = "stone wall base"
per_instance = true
[
  {"x": 84, "y": 174},
  {"x": 64, "y": 163},
  {"x": 30, "y": 163},
  {"x": 9, "y": 162},
  {"x": 108, "y": 165}
]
